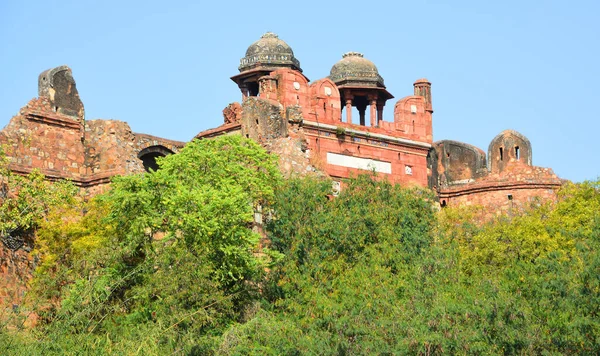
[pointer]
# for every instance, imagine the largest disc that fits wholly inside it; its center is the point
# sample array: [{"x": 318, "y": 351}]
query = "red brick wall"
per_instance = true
[
  {"x": 416, "y": 126},
  {"x": 320, "y": 142},
  {"x": 39, "y": 138},
  {"x": 496, "y": 202}
]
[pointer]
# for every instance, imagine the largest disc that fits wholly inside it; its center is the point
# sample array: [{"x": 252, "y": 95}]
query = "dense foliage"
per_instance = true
[
  {"x": 169, "y": 263},
  {"x": 25, "y": 200}
]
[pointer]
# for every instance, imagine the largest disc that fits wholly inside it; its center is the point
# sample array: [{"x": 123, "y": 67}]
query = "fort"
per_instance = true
[{"x": 309, "y": 125}]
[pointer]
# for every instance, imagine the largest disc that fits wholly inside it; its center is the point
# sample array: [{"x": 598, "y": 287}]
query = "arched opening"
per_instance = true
[{"x": 149, "y": 154}]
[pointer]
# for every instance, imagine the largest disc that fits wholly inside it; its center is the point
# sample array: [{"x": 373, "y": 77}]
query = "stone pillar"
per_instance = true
[
  {"x": 349, "y": 111},
  {"x": 379, "y": 113},
  {"x": 244, "y": 90},
  {"x": 361, "y": 114},
  {"x": 373, "y": 113}
]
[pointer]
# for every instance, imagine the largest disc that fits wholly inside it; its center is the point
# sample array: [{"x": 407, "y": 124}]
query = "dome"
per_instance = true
[
  {"x": 355, "y": 70},
  {"x": 270, "y": 52}
]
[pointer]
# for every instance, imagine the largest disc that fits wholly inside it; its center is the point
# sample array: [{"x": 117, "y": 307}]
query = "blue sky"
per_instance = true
[{"x": 164, "y": 67}]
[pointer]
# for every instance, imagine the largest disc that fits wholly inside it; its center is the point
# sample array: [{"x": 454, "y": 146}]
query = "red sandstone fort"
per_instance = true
[{"x": 309, "y": 125}]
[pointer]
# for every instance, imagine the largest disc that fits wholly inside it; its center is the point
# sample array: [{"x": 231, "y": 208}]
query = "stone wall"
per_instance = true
[
  {"x": 343, "y": 152},
  {"x": 263, "y": 120},
  {"x": 508, "y": 146},
  {"x": 16, "y": 269},
  {"x": 517, "y": 187},
  {"x": 50, "y": 134},
  {"x": 457, "y": 163},
  {"x": 38, "y": 137}
]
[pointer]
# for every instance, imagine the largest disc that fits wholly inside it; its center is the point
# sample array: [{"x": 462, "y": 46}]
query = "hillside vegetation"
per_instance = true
[{"x": 171, "y": 263}]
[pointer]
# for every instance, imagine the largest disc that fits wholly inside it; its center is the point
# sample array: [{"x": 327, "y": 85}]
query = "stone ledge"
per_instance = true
[
  {"x": 489, "y": 186},
  {"x": 223, "y": 129},
  {"x": 367, "y": 134},
  {"x": 53, "y": 119},
  {"x": 82, "y": 182},
  {"x": 174, "y": 143}
]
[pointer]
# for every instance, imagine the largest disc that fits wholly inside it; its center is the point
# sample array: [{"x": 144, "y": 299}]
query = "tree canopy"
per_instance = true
[{"x": 173, "y": 262}]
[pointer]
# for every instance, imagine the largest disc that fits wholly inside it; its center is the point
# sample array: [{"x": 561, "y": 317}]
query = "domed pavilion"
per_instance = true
[
  {"x": 267, "y": 54},
  {"x": 360, "y": 85}
]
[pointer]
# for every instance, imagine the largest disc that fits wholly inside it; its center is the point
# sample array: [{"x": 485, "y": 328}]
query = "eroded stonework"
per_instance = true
[
  {"x": 506, "y": 183},
  {"x": 51, "y": 134}
]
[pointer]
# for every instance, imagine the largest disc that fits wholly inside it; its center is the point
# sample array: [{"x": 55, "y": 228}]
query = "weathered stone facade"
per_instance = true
[
  {"x": 51, "y": 134},
  {"x": 313, "y": 123},
  {"x": 508, "y": 181},
  {"x": 290, "y": 115}
]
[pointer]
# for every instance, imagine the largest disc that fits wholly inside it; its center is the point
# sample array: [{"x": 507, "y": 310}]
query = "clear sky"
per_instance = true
[{"x": 164, "y": 66}]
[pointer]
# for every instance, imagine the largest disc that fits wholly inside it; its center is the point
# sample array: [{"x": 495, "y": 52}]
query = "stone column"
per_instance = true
[
  {"x": 244, "y": 90},
  {"x": 349, "y": 111},
  {"x": 361, "y": 113},
  {"x": 379, "y": 113},
  {"x": 373, "y": 113}
]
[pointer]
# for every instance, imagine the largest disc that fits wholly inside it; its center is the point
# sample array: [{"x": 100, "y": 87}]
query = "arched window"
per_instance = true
[{"x": 149, "y": 154}]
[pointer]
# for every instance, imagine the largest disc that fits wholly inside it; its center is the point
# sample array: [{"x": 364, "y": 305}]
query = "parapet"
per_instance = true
[{"x": 458, "y": 162}]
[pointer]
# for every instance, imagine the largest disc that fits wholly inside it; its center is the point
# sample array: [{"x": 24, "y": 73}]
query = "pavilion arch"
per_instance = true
[{"x": 149, "y": 154}]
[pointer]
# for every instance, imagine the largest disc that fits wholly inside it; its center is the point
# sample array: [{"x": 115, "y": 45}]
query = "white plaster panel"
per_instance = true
[{"x": 359, "y": 163}]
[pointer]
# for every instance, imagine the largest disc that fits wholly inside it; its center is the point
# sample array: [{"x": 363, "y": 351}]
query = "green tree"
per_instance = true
[
  {"x": 175, "y": 255},
  {"x": 25, "y": 200},
  {"x": 347, "y": 260}
]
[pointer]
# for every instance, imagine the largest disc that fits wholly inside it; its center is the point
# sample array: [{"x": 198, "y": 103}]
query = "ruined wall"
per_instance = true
[
  {"x": 39, "y": 138},
  {"x": 16, "y": 269},
  {"x": 457, "y": 163},
  {"x": 57, "y": 84},
  {"x": 51, "y": 135},
  {"x": 263, "y": 120},
  {"x": 110, "y": 148}
]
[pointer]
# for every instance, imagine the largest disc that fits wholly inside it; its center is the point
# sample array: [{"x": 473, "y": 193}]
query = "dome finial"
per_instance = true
[
  {"x": 269, "y": 34},
  {"x": 352, "y": 54}
]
